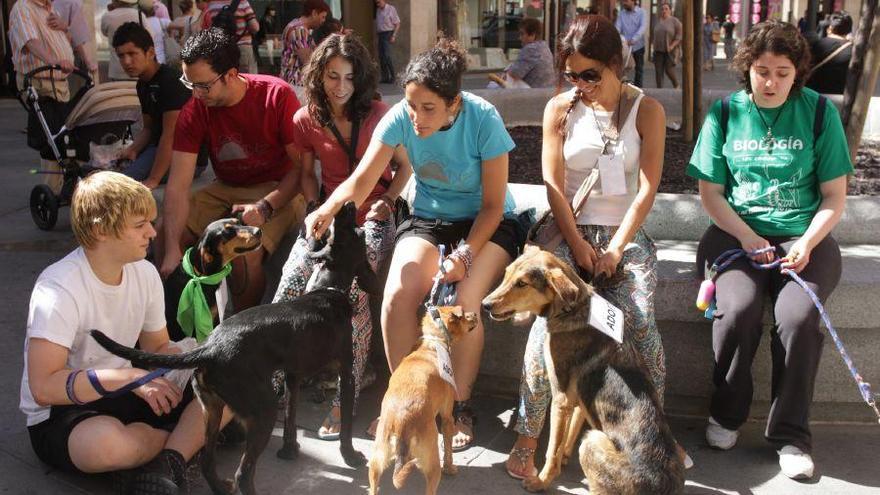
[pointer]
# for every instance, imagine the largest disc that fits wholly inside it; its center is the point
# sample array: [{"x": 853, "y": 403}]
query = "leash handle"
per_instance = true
[{"x": 137, "y": 383}]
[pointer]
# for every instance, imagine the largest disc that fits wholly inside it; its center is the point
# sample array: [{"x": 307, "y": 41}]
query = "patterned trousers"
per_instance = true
[
  {"x": 633, "y": 293},
  {"x": 298, "y": 269}
]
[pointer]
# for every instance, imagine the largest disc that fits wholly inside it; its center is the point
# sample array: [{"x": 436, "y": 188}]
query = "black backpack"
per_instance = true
[{"x": 225, "y": 19}]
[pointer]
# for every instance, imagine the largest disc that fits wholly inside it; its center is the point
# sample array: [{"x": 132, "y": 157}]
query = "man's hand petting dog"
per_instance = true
[
  {"x": 250, "y": 214},
  {"x": 160, "y": 394}
]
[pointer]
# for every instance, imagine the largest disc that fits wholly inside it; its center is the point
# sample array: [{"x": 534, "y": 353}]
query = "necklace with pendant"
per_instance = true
[
  {"x": 609, "y": 134},
  {"x": 769, "y": 140}
]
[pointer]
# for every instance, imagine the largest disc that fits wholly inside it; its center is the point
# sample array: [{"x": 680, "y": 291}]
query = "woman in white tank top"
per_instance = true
[{"x": 601, "y": 122}]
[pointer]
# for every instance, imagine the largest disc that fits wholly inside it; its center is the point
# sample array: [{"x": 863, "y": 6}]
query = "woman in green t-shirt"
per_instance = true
[{"x": 772, "y": 172}]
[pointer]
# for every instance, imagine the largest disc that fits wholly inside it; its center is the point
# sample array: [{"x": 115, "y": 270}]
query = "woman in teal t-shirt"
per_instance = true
[
  {"x": 458, "y": 146},
  {"x": 766, "y": 180}
]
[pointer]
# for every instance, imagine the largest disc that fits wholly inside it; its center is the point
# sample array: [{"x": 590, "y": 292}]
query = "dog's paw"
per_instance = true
[
  {"x": 534, "y": 484},
  {"x": 230, "y": 485},
  {"x": 288, "y": 452},
  {"x": 354, "y": 458},
  {"x": 450, "y": 469}
]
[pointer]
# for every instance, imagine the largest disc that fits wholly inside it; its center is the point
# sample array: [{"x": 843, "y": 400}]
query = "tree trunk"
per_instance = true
[
  {"x": 691, "y": 67},
  {"x": 865, "y": 86},
  {"x": 449, "y": 18},
  {"x": 606, "y": 7},
  {"x": 857, "y": 62}
]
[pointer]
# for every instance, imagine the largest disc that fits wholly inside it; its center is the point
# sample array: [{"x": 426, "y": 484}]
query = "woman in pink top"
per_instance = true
[{"x": 340, "y": 83}]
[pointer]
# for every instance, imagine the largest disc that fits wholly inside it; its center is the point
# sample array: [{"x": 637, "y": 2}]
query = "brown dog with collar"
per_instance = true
[
  {"x": 417, "y": 394},
  {"x": 629, "y": 448}
]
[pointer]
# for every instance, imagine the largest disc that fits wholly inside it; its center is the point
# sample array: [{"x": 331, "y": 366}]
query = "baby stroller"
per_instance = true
[{"x": 66, "y": 132}]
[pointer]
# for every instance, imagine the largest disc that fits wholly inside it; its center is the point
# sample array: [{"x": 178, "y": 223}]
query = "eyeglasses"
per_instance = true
[
  {"x": 202, "y": 87},
  {"x": 589, "y": 76}
]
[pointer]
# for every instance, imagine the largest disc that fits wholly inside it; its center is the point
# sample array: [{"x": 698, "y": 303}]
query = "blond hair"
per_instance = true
[{"x": 102, "y": 204}]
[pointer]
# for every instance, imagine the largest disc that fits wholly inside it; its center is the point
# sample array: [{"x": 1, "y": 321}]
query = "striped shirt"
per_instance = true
[
  {"x": 28, "y": 21},
  {"x": 243, "y": 14},
  {"x": 295, "y": 37}
]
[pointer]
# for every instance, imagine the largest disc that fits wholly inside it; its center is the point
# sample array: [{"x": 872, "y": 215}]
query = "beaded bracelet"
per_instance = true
[
  {"x": 464, "y": 254},
  {"x": 71, "y": 393}
]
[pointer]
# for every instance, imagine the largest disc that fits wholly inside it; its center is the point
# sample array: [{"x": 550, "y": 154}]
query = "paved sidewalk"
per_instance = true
[{"x": 846, "y": 455}]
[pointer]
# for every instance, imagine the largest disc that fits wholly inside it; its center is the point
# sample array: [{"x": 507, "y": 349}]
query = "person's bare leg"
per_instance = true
[
  {"x": 189, "y": 434},
  {"x": 488, "y": 267},
  {"x": 102, "y": 443},
  {"x": 410, "y": 277},
  {"x": 521, "y": 460},
  {"x": 248, "y": 280}
]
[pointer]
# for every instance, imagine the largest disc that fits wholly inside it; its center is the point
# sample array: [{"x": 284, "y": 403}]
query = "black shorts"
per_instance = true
[
  {"x": 49, "y": 438},
  {"x": 510, "y": 234}
]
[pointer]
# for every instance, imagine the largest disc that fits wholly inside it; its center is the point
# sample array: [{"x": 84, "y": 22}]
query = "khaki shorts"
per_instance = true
[{"x": 215, "y": 201}]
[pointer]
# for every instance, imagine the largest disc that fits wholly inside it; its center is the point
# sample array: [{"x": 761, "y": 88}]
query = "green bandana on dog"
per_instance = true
[{"x": 193, "y": 312}]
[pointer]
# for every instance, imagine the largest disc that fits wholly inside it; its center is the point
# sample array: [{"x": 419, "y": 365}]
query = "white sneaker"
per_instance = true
[
  {"x": 720, "y": 437},
  {"x": 795, "y": 463}
]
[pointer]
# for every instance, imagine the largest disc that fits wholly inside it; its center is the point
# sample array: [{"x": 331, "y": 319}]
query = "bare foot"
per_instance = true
[{"x": 332, "y": 424}]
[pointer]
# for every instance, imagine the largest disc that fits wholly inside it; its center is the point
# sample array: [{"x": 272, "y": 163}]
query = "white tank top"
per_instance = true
[{"x": 583, "y": 144}]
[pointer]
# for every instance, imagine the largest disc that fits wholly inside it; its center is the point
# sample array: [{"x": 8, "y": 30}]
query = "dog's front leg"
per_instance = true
[
  {"x": 578, "y": 418},
  {"x": 290, "y": 448},
  {"x": 560, "y": 419},
  {"x": 213, "y": 409},
  {"x": 447, "y": 424},
  {"x": 259, "y": 431},
  {"x": 352, "y": 457}
]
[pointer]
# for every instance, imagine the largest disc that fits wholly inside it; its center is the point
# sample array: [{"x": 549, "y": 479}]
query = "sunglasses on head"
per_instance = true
[{"x": 589, "y": 76}]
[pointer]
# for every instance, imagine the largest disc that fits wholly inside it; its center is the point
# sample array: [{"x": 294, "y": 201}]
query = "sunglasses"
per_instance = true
[
  {"x": 589, "y": 76},
  {"x": 203, "y": 87}
]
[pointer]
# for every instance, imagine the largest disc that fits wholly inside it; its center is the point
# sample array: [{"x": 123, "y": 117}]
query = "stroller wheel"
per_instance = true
[{"x": 44, "y": 206}]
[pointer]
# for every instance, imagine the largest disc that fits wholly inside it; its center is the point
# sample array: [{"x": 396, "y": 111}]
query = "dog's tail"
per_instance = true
[
  {"x": 191, "y": 359},
  {"x": 403, "y": 464}
]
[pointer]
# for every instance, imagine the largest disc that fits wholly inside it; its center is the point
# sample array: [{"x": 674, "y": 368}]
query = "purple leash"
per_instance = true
[{"x": 726, "y": 258}]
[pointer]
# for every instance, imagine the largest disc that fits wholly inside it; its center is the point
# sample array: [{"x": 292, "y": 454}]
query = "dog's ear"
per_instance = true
[
  {"x": 566, "y": 290},
  {"x": 456, "y": 311},
  {"x": 368, "y": 281}
]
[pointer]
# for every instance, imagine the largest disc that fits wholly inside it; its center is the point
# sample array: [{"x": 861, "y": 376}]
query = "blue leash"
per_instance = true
[
  {"x": 724, "y": 261},
  {"x": 128, "y": 387},
  {"x": 442, "y": 294}
]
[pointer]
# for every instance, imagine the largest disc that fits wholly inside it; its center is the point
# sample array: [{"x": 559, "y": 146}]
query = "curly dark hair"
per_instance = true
[
  {"x": 438, "y": 69},
  {"x": 213, "y": 46},
  {"x": 364, "y": 72},
  {"x": 779, "y": 38}
]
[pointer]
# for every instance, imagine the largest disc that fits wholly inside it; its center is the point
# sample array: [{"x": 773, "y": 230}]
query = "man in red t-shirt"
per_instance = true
[{"x": 246, "y": 122}]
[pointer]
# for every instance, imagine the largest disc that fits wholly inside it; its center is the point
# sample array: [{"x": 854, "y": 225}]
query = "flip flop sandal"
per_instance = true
[
  {"x": 522, "y": 454},
  {"x": 332, "y": 423},
  {"x": 464, "y": 414}
]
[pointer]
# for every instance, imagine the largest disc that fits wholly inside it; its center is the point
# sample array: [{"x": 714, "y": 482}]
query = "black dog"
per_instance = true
[
  {"x": 221, "y": 242},
  {"x": 300, "y": 337}
]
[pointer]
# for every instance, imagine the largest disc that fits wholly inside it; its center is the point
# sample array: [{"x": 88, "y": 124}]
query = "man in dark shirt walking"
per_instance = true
[{"x": 831, "y": 56}]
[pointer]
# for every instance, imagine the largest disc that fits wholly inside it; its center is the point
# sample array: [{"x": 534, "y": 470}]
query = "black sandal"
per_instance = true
[{"x": 463, "y": 413}]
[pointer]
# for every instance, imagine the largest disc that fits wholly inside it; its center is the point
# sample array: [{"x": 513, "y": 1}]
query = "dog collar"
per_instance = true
[{"x": 193, "y": 313}]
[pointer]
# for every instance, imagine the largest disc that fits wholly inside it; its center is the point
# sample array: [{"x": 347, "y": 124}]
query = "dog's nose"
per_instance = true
[{"x": 487, "y": 306}]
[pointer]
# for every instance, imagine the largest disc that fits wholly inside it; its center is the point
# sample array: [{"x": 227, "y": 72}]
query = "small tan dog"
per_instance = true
[{"x": 417, "y": 393}]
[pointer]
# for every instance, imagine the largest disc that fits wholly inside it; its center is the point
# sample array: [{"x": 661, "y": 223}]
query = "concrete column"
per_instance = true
[
  {"x": 418, "y": 30},
  {"x": 88, "y": 11}
]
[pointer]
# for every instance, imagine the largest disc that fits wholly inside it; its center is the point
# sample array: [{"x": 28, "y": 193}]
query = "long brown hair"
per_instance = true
[
  {"x": 593, "y": 37},
  {"x": 364, "y": 72}
]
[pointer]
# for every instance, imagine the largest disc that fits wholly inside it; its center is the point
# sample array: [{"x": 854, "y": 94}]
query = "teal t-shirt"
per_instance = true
[
  {"x": 774, "y": 188},
  {"x": 448, "y": 164}
]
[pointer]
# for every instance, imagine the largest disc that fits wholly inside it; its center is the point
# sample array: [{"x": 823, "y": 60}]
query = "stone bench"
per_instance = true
[{"x": 677, "y": 222}]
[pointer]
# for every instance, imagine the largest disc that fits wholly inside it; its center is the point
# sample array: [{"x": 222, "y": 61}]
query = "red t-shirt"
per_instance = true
[
  {"x": 310, "y": 137},
  {"x": 245, "y": 141}
]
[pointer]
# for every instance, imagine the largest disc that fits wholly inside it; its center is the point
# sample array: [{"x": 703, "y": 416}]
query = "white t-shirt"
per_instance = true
[
  {"x": 68, "y": 300},
  {"x": 110, "y": 22}
]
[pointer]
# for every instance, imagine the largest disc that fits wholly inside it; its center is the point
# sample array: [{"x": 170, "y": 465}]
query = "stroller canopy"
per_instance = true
[{"x": 108, "y": 102}]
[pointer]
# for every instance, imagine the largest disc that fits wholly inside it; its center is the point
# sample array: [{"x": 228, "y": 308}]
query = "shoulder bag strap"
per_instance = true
[
  {"x": 350, "y": 150},
  {"x": 820, "y": 117},
  {"x": 831, "y": 55}
]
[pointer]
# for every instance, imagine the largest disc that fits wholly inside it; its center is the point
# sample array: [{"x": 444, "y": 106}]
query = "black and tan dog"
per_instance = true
[
  {"x": 221, "y": 242},
  {"x": 301, "y": 337},
  {"x": 629, "y": 448},
  {"x": 417, "y": 394}
]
